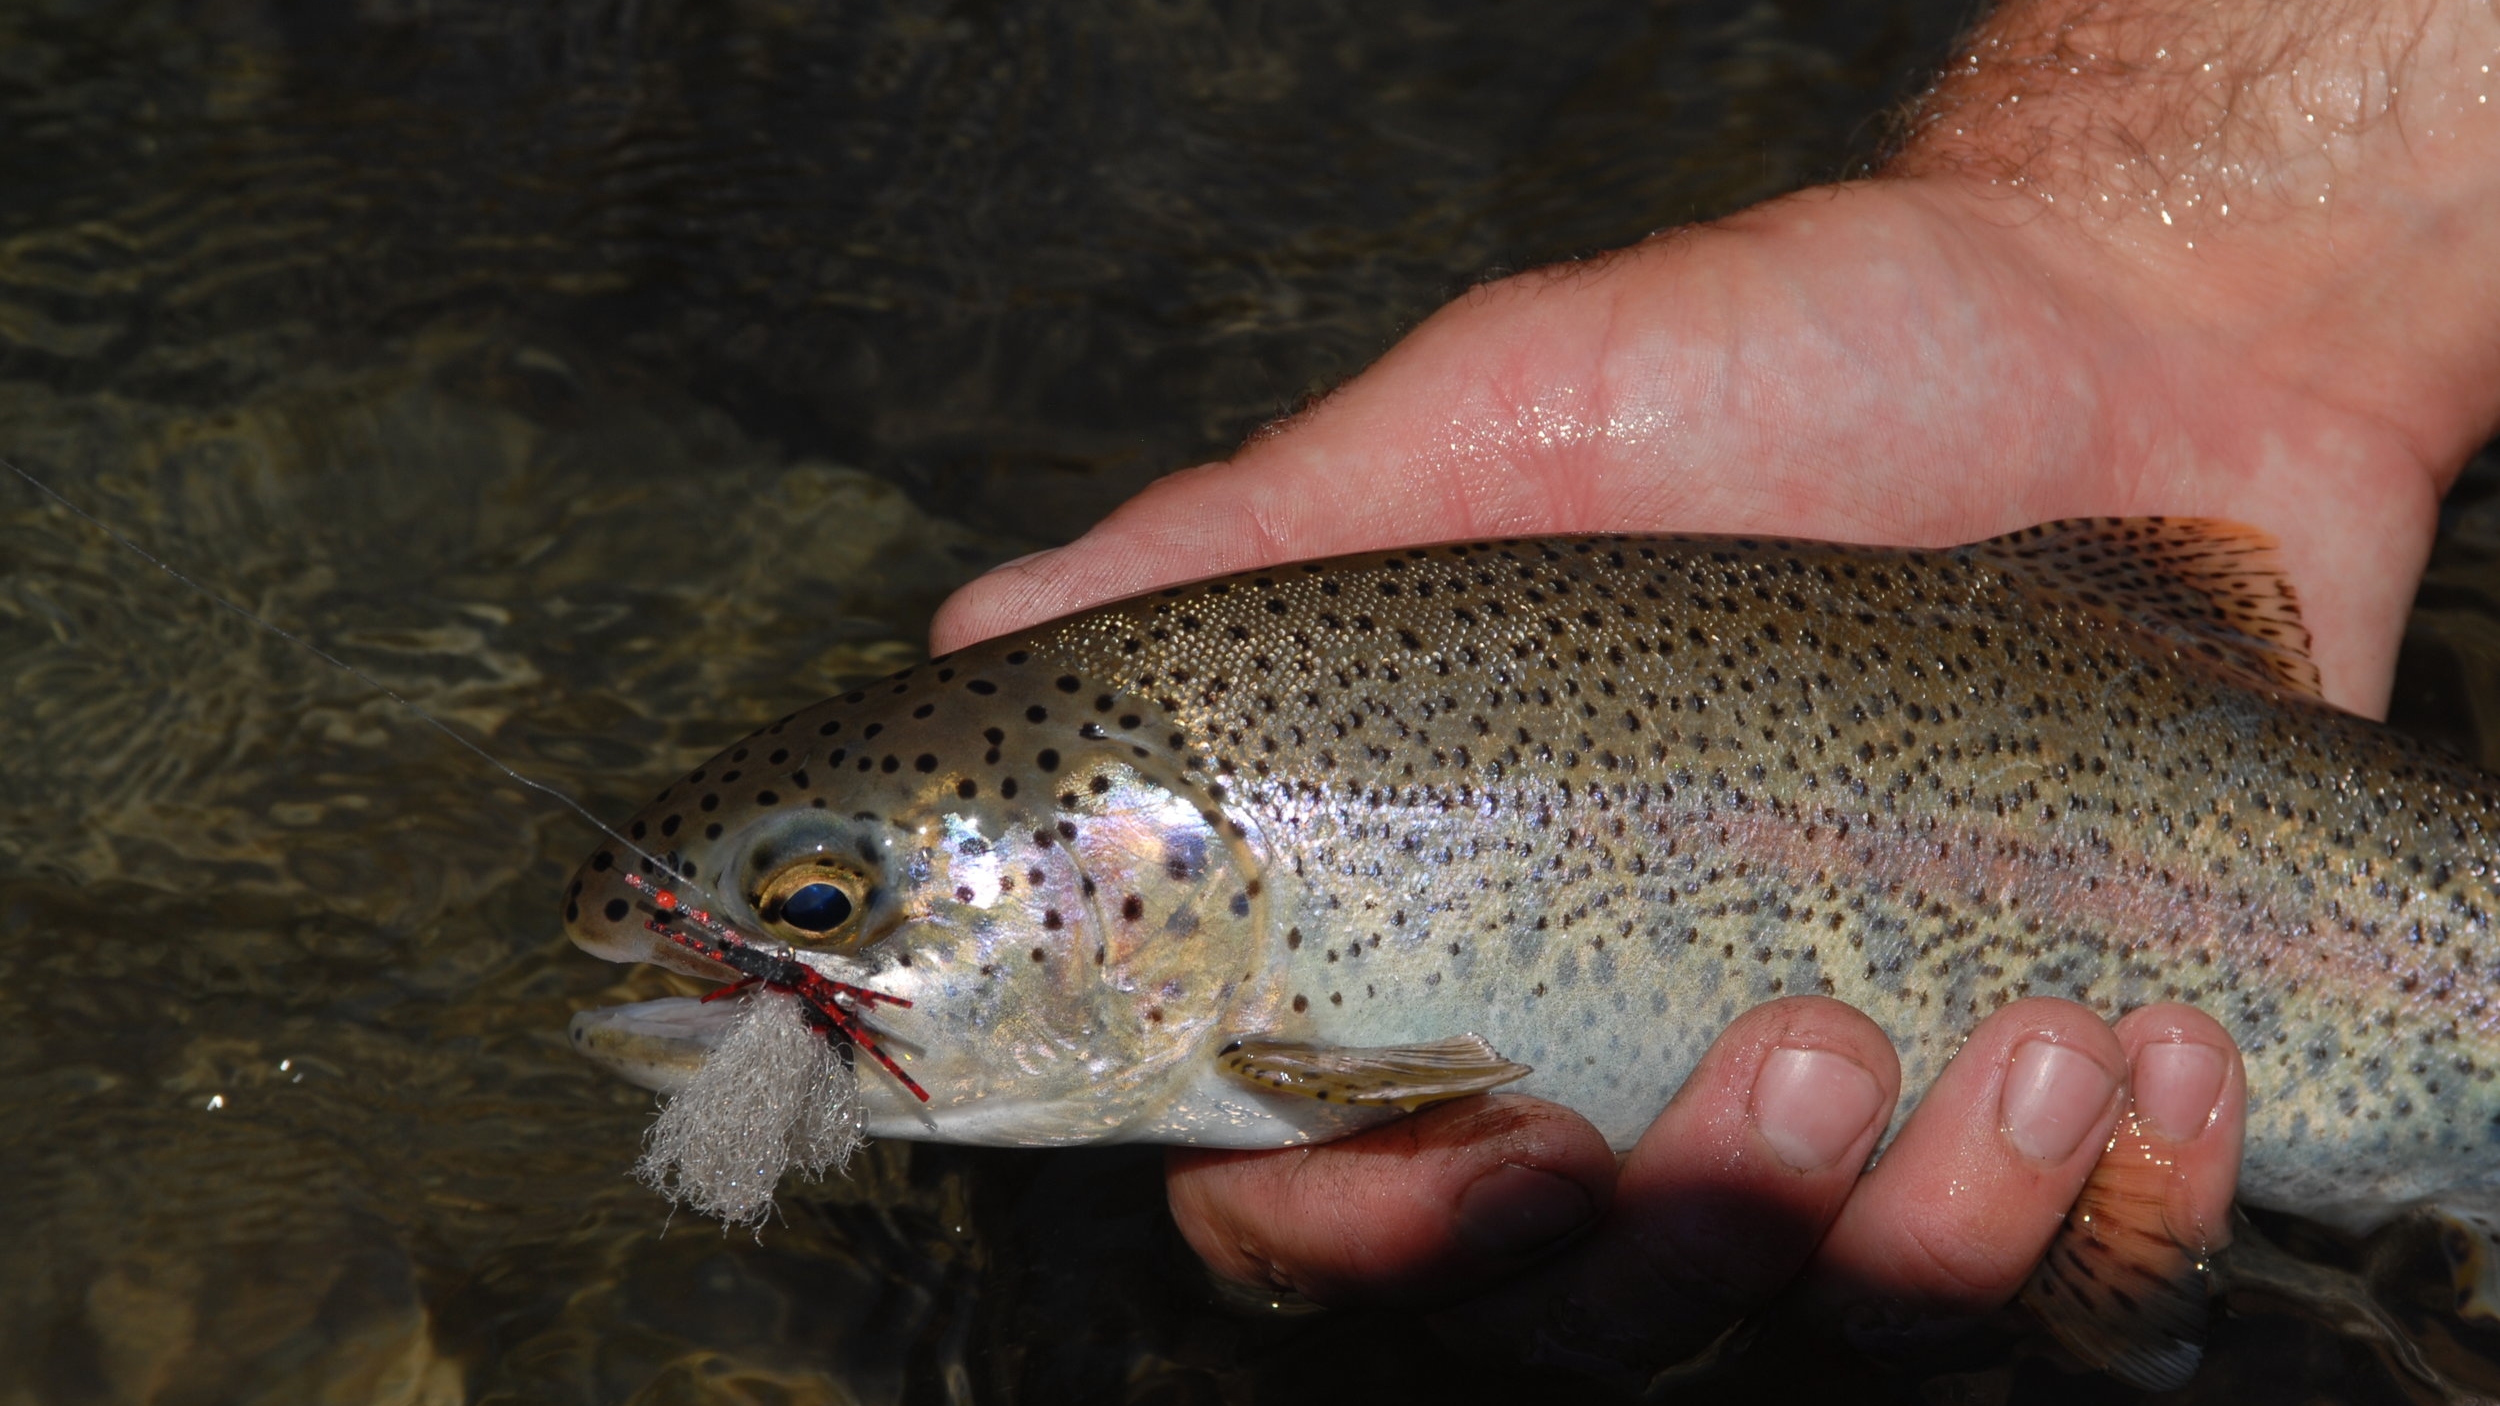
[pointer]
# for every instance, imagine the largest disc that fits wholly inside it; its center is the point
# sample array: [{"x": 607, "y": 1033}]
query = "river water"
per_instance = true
[{"x": 607, "y": 377}]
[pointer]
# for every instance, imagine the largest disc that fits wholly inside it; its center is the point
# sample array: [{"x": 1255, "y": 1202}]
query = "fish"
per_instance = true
[{"x": 1268, "y": 858}]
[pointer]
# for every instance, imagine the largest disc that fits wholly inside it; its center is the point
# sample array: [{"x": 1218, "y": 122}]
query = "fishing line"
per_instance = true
[
  {"x": 777, "y": 1092},
  {"x": 360, "y": 676}
]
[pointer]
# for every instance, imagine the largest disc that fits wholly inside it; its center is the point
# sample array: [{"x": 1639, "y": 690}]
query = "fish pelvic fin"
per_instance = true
[
  {"x": 1405, "y": 1077},
  {"x": 2215, "y": 590},
  {"x": 2119, "y": 1289}
]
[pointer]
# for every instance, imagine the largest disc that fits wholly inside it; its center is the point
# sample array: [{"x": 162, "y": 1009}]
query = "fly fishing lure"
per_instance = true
[
  {"x": 824, "y": 1003},
  {"x": 779, "y": 1092},
  {"x": 779, "y": 1089}
]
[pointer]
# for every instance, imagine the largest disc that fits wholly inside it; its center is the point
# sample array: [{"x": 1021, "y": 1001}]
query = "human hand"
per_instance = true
[
  {"x": 1511, "y": 1216},
  {"x": 2275, "y": 303},
  {"x": 2242, "y": 312}
]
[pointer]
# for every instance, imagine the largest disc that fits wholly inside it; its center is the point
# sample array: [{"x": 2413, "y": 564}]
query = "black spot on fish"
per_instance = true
[
  {"x": 1070, "y": 683},
  {"x": 602, "y": 861},
  {"x": 1133, "y": 908},
  {"x": 1047, "y": 759},
  {"x": 617, "y": 909},
  {"x": 1301, "y": 1003},
  {"x": 712, "y": 831},
  {"x": 967, "y": 788},
  {"x": 768, "y": 798},
  {"x": 926, "y": 761},
  {"x": 669, "y": 826}
]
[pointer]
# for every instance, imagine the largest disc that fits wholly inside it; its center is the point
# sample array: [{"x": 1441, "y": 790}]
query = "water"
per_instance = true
[{"x": 607, "y": 377}]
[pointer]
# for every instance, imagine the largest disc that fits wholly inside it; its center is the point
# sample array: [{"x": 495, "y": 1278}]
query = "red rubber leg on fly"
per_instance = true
[{"x": 829, "y": 1000}]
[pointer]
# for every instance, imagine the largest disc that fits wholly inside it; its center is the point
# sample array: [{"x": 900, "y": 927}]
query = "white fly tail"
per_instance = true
[{"x": 774, "y": 1094}]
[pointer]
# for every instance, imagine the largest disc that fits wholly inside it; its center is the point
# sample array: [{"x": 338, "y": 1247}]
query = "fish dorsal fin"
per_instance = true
[{"x": 2214, "y": 588}]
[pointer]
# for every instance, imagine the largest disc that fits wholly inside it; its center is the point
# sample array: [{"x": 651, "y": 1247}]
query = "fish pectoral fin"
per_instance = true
[
  {"x": 2118, "y": 1289},
  {"x": 2213, "y": 590},
  {"x": 1393, "y": 1076}
]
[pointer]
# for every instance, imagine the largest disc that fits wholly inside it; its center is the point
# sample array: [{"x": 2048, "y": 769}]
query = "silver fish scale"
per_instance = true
[{"x": 1592, "y": 798}]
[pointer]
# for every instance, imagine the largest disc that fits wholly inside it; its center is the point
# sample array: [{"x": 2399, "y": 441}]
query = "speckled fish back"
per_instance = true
[{"x": 1591, "y": 798}]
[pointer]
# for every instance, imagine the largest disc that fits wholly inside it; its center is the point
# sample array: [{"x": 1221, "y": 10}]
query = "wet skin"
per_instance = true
[{"x": 1925, "y": 359}]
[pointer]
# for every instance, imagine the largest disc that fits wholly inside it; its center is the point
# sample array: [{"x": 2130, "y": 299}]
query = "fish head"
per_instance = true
[{"x": 1065, "y": 908}]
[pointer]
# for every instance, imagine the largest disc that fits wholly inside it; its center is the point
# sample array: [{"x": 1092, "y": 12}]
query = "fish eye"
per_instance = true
[
  {"x": 817, "y": 907},
  {"x": 813, "y": 902}
]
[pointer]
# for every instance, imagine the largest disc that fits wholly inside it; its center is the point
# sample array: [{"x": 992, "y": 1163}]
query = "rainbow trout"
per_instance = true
[{"x": 1265, "y": 859}]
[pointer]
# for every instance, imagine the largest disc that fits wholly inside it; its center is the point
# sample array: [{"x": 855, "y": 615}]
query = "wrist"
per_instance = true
[{"x": 2313, "y": 197}]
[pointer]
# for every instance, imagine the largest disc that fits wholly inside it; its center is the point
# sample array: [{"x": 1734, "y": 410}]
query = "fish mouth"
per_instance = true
[
  {"x": 661, "y": 1045},
  {"x": 657, "y": 1045}
]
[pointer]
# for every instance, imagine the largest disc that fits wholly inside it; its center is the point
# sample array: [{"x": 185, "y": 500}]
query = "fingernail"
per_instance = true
[
  {"x": 2053, "y": 1097},
  {"x": 1027, "y": 559},
  {"x": 1813, "y": 1105},
  {"x": 1512, "y": 1210},
  {"x": 2176, "y": 1086}
]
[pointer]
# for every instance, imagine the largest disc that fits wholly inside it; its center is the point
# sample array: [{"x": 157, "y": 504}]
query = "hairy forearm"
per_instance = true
[{"x": 2318, "y": 180}]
